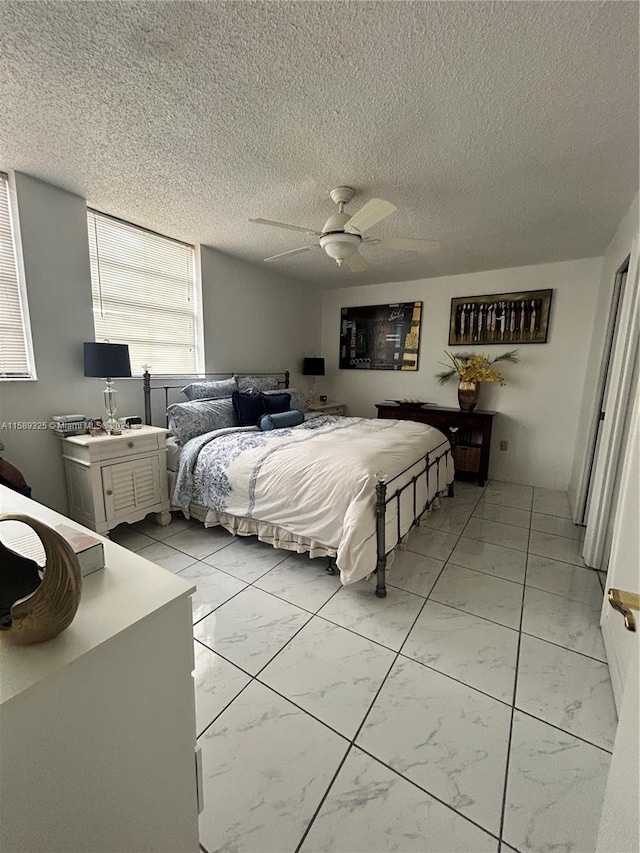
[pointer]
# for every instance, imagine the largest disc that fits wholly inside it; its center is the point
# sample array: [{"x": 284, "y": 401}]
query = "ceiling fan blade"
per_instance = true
[
  {"x": 406, "y": 244},
  {"x": 291, "y": 253},
  {"x": 356, "y": 262},
  {"x": 284, "y": 225},
  {"x": 373, "y": 212}
]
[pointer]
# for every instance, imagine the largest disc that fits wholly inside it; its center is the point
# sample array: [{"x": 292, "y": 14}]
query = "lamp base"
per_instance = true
[{"x": 111, "y": 424}]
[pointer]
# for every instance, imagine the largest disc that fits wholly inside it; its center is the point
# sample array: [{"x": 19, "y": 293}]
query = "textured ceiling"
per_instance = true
[{"x": 508, "y": 131}]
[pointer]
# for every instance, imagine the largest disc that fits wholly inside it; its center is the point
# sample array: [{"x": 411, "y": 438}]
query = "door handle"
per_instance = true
[{"x": 625, "y": 602}]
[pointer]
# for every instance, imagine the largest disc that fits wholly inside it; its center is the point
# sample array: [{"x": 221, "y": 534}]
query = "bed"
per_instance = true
[{"x": 349, "y": 489}]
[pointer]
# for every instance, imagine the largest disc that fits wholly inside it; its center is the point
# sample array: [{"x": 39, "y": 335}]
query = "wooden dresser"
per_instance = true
[{"x": 469, "y": 432}]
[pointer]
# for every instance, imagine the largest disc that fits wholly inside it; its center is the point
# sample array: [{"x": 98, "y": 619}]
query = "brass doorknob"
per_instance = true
[{"x": 624, "y": 602}]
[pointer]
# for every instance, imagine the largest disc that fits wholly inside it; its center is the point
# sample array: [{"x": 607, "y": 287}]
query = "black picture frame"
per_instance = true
[
  {"x": 519, "y": 317},
  {"x": 380, "y": 337}
]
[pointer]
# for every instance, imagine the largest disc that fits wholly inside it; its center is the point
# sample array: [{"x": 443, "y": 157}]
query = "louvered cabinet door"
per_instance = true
[{"x": 130, "y": 487}]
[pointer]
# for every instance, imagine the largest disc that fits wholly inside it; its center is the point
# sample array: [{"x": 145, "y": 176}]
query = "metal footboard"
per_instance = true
[{"x": 433, "y": 459}]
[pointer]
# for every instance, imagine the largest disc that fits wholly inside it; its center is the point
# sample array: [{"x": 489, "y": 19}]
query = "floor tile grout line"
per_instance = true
[
  {"x": 485, "y": 542},
  {"x": 359, "y": 729},
  {"x": 564, "y": 731},
  {"x": 496, "y": 544},
  {"x": 513, "y": 711},
  {"x": 469, "y": 613},
  {"x": 426, "y": 791},
  {"x": 323, "y": 799},
  {"x": 451, "y": 562},
  {"x": 457, "y": 680},
  {"x": 566, "y": 648},
  {"x": 235, "y": 577}
]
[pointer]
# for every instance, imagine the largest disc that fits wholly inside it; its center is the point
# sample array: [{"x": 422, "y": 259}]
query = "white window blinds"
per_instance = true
[
  {"x": 143, "y": 288},
  {"x": 16, "y": 358}
]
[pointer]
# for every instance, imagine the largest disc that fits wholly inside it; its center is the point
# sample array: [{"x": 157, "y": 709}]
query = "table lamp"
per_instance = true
[
  {"x": 106, "y": 361},
  {"x": 313, "y": 367}
]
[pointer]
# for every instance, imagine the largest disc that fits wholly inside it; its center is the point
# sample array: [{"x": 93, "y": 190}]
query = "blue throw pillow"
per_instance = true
[
  {"x": 280, "y": 420},
  {"x": 274, "y": 403},
  {"x": 248, "y": 407}
]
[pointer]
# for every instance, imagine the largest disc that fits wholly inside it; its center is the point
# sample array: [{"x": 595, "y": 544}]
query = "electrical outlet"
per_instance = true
[{"x": 504, "y": 445}]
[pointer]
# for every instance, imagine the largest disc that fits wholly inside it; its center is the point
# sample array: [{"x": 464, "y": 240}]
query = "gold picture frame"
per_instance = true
[{"x": 520, "y": 317}]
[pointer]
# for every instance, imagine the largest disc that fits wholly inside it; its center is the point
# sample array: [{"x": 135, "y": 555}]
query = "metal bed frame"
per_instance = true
[{"x": 384, "y": 497}]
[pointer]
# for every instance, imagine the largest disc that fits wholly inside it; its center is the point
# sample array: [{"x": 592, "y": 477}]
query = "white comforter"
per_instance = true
[{"x": 315, "y": 481}]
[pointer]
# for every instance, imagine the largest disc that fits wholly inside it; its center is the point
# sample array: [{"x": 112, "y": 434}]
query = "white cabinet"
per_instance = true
[
  {"x": 331, "y": 407},
  {"x": 113, "y": 479},
  {"x": 97, "y": 726}
]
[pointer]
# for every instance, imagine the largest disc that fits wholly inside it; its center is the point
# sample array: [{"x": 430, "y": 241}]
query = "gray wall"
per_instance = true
[
  {"x": 56, "y": 261},
  {"x": 252, "y": 319},
  {"x": 255, "y": 319}
]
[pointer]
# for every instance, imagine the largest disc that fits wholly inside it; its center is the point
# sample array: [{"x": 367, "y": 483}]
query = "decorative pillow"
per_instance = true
[
  {"x": 248, "y": 407},
  {"x": 278, "y": 420},
  {"x": 187, "y": 420},
  {"x": 210, "y": 390},
  {"x": 257, "y": 383},
  {"x": 274, "y": 403},
  {"x": 298, "y": 398}
]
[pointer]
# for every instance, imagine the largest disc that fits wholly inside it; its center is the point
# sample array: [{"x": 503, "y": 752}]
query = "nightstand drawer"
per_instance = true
[{"x": 128, "y": 446}]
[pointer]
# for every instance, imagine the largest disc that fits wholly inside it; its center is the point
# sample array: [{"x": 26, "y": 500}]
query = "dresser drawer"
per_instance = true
[{"x": 128, "y": 446}]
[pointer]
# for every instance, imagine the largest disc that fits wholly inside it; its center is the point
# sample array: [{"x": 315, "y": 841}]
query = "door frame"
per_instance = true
[
  {"x": 605, "y": 475},
  {"x": 582, "y": 499}
]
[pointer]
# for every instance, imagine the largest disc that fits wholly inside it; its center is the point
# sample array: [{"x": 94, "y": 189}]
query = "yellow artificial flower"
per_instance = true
[{"x": 470, "y": 367}]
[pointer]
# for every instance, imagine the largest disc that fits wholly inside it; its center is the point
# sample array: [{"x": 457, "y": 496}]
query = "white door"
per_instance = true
[{"x": 619, "y": 825}]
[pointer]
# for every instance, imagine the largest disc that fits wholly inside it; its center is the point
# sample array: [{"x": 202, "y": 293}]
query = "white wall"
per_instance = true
[
  {"x": 617, "y": 251},
  {"x": 538, "y": 408},
  {"x": 252, "y": 319}
]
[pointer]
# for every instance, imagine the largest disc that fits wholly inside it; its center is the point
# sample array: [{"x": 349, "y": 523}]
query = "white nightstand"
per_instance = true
[
  {"x": 331, "y": 407},
  {"x": 116, "y": 478}
]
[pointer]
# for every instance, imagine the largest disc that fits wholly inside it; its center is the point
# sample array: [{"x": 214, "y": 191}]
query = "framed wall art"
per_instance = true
[
  {"x": 380, "y": 337},
  {"x": 501, "y": 318}
]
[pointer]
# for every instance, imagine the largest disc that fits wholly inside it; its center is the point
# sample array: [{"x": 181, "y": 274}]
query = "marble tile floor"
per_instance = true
[{"x": 470, "y": 710}]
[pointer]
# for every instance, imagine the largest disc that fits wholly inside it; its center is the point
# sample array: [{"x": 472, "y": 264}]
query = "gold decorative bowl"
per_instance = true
[{"x": 43, "y": 612}]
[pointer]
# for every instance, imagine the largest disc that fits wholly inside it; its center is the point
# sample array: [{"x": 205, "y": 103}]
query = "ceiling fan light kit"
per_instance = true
[
  {"x": 340, "y": 246},
  {"x": 341, "y": 235}
]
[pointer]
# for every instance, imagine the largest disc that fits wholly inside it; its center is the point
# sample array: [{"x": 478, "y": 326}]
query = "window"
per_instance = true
[
  {"x": 144, "y": 295},
  {"x": 16, "y": 351}
]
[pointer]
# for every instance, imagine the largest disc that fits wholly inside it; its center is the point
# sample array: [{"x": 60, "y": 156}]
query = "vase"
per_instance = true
[
  {"x": 468, "y": 395},
  {"x": 35, "y": 610}
]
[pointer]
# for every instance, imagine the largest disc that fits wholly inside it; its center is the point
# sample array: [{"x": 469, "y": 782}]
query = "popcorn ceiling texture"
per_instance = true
[{"x": 508, "y": 131}]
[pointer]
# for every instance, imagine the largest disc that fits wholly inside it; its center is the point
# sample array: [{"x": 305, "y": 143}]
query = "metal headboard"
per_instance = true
[{"x": 178, "y": 382}]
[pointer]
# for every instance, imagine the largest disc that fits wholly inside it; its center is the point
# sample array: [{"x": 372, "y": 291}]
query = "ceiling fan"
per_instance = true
[{"x": 342, "y": 234}]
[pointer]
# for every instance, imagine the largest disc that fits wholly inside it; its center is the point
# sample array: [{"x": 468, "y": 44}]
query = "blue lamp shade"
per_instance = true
[
  {"x": 313, "y": 367},
  {"x": 106, "y": 360}
]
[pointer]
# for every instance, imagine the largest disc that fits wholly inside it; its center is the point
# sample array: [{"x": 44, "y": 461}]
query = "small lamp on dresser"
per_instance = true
[
  {"x": 313, "y": 367},
  {"x": 107, "y": 361}
]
